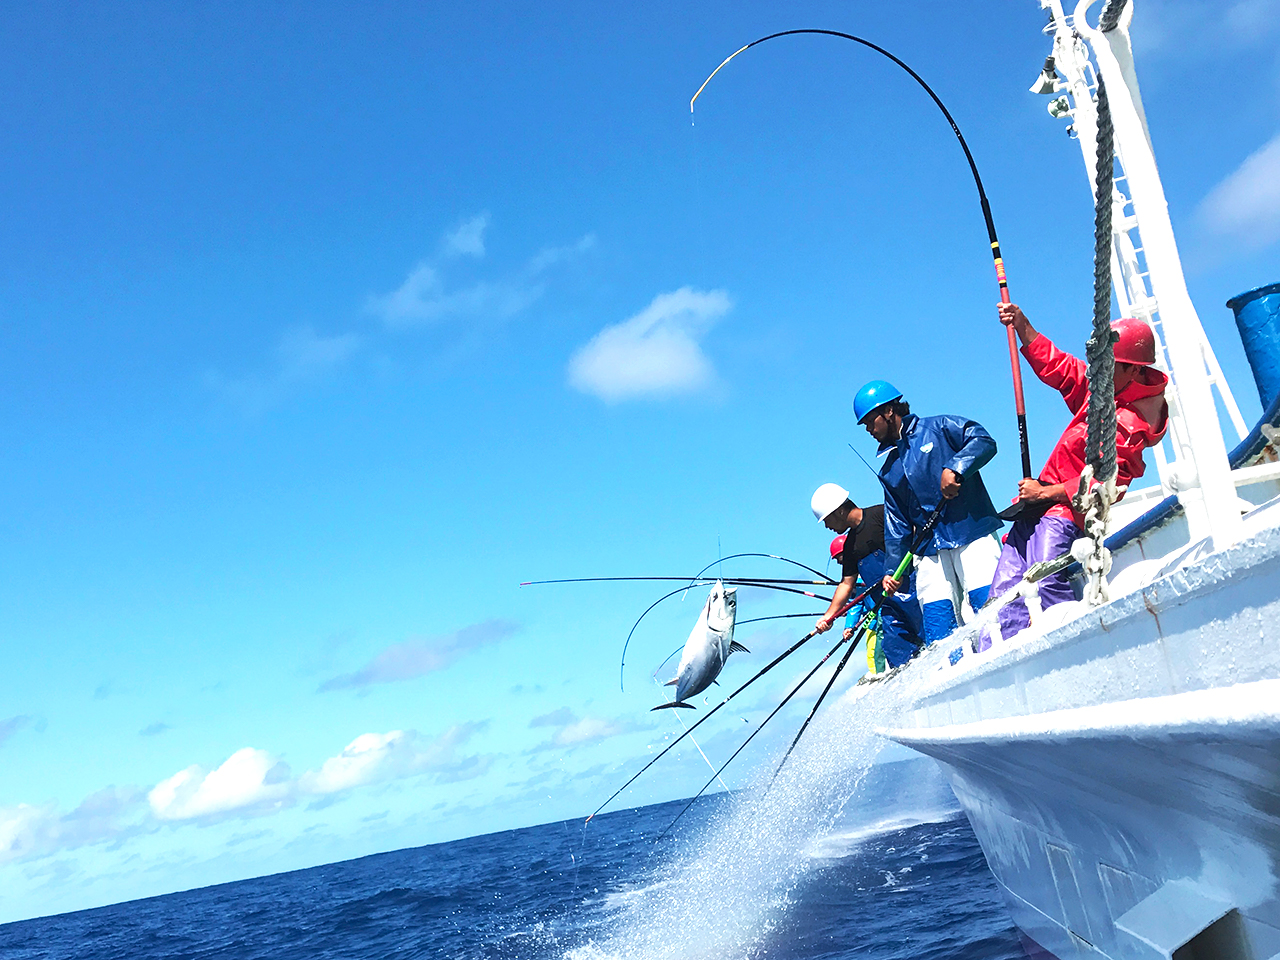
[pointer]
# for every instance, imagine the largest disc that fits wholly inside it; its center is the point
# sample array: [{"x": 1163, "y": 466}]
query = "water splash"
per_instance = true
[{"x": 724, "y": 892}]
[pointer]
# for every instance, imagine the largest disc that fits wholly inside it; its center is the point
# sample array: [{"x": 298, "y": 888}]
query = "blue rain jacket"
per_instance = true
[{"x": 912, "y": 476}]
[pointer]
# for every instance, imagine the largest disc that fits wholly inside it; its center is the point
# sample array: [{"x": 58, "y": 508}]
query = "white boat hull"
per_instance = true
[{"x": 1122, "y": 772}]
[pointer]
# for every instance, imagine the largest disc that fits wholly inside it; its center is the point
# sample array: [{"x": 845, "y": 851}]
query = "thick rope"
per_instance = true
[
  {"x": 1110, "y": 15},
  {"x": 1098, "y": 481}
]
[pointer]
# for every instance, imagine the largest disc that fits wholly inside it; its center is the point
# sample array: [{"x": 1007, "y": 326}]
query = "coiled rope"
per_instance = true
[{"x": 1098, "y": 481}]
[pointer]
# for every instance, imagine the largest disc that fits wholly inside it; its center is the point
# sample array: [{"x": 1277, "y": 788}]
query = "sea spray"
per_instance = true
[{"x": 723, "y": 891}]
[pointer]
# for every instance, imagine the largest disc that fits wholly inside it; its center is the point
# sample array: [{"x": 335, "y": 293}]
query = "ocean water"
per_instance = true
[
  {"x": 882, "y": 890},
  {"x": 838, "y": 856}
]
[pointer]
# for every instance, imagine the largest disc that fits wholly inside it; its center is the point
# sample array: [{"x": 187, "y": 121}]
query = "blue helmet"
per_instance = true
[{"x": 873, "y": 394}]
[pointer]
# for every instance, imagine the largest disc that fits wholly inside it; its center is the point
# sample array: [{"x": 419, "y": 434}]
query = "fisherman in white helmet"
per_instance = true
[{"x": 863, "y": 554}]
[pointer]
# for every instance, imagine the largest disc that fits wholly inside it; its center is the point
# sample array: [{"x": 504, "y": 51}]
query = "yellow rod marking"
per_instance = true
[{"x": 713, "y": 73}]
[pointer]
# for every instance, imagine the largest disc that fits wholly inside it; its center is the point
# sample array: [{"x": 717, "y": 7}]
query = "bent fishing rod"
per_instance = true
[
  {"x": 767, "y": 556},
  {"x": 693, "y": 581},
  {"x": 667, "y": 596},
  {"x": 708, "y": 715},
  {"x": 1001, "y": 278},
  {"x": 859, "y": 631}
]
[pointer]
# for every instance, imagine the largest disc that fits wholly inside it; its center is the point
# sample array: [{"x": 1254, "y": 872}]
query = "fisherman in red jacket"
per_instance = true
[{"x": 1142, "y": 417}]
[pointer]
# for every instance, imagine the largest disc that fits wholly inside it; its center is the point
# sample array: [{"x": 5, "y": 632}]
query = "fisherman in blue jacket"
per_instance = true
[{"x": 928, "y": 460}]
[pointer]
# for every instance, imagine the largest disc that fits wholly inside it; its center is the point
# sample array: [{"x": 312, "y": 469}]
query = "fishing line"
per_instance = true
[
  {"x": 738, "y": 623},
  {"x": 710, "y": 713},
  {"x": 622, "y": 667},
  {"x": 664, "y": 662},
  {"x": 825, "y": 690},
  {"x": 917, "y": 544},
  {"x": 715, "y": 773},
  {"x": 1001, "y": 279},
  {"x": 879, "y": 479},
  {"x": 785, "y": 701}
]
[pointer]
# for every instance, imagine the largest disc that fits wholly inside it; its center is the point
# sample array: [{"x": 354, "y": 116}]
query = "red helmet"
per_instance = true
[
  {"x": 1137, "y": 344},
  {"x": 837, "y": 546}
]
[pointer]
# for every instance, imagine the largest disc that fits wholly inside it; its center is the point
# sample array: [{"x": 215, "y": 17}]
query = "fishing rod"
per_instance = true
[
  {"x": 917, "y": 544},
  {"x": 874, "y": 473},
  {"x": 780, "y": 616},
  {"x": 667, "y": 596},
  {"x": 823, "y": 583},
  {"x": 710, "y": 713},
  {"x": 785, "y": 701},
  {"x": 822, "y": 696},
  {"x": 737, "y": 624},
  {"x": 769, "y": 556},
  {"x": 925, "y": 532},
  {"x": 1001, "y": 278}
]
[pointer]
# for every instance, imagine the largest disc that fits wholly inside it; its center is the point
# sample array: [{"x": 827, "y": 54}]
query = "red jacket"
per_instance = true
[{"x": 1142, "y": 417}]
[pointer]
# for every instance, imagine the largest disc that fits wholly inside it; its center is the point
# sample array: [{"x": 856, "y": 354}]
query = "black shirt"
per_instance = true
[{"x": 864, "y": 539}]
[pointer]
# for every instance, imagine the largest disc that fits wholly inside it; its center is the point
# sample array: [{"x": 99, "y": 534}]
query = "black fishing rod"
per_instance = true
[
  {"x": 918, "y": 543},
  {"x": 710, "y": 713},
  {"x": 874, "y": 472},
  {"x": 826, "y": 582},
  {"x": 769, "y": 556},
  {"x": 668, "y": 596},
  {"x": 738, "y": 623},
  {"x": 925, "y": 532},
  {"x": 785, "y": 701},
  {"x": 822, "y": 696},
  {"x": 1001, "y": 279},
  {"x": 780, "y": 616}
]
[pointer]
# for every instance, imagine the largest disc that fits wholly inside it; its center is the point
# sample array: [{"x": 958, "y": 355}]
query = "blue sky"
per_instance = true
[{"x": 323, "y": 327}]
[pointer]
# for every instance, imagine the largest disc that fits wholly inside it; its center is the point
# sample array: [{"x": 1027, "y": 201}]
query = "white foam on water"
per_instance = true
[
  {"x": 846, "y": 843},
  {"x": 722, "y": 894}
]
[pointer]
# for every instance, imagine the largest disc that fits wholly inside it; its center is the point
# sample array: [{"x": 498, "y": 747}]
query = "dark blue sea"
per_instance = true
[{"x": 881, "y": 881}]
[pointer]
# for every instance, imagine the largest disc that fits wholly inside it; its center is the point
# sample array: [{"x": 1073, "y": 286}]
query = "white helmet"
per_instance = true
[{"x": 827, "y": 498}]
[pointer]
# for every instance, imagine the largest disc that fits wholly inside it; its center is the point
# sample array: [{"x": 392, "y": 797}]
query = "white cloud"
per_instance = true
[
  {"x": 467, "y": 239},
  {"x": 249, "y": 781},
  {"x": 586, "y": 730},
  {"x": 1246, "y": 204},
  {"x": 305, "y": 355},
  {"x": 654, "y": 353},
  {"x": 548, "y": 257},
  {"x": 11, "y": 726},
  {"x": 302, "y": 356},
  {"x": 373, "y": 757},
  {"x": 418, "y": 657},
  {"x": 28, "y": 831},
  {"x": 424, "y": 298},
  {"x": 571, "y": 730}
]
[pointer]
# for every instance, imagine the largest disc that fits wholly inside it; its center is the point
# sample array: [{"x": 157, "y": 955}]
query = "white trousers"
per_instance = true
[{"x": 961, "y": 579}]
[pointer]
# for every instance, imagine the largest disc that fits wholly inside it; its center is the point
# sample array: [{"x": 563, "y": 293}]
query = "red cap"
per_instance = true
[
  {"x": 837, "y": 546},
  {"x": 1137, "y": 344}
]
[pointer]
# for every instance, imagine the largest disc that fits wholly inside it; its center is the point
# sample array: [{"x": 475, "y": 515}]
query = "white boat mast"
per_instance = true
[{"x": 1196, "y": 468}]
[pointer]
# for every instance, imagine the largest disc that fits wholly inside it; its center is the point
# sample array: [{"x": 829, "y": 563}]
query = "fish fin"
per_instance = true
[
  {"x": 736, "y": 647},
  {"x": 672, "y": 682},
  {"x": 674, "y": 703}
]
